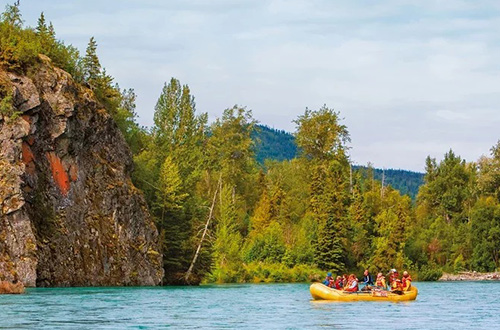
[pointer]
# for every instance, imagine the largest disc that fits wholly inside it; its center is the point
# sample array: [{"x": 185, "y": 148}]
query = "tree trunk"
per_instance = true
[{"x": 190, "y": 270}]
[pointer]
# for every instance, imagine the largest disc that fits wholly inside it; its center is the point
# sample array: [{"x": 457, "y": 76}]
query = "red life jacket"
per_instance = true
[
  {"x": 349, "y": 284},
  {"x": 406, "y": 282}
]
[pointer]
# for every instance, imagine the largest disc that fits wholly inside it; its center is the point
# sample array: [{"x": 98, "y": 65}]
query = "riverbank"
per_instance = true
[{"x": 470, "y": 276}]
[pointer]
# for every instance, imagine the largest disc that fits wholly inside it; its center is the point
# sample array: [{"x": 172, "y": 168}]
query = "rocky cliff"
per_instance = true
[{"x": 70, "y": 215}]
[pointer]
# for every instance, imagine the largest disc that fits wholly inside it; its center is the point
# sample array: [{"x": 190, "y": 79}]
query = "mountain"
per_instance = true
[
  {"x": 407, "y": 182},
  {"x": 273, "y": 144},
  {"x": 280, "y": 145}
]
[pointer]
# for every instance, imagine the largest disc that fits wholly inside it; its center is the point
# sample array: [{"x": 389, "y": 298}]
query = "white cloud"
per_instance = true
[{"x": 411, "y": 78}]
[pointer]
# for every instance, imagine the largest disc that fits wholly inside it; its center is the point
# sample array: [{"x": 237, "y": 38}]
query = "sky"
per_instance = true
[{"x": 409, "y": 78}]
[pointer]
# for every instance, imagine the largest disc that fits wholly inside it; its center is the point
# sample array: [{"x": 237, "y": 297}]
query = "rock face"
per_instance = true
[{"x": 70, "y": 215}]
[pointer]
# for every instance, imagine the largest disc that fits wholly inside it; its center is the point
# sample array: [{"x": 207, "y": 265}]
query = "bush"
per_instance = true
[
  {"x": 429, "y": 273},
  {"x": 258, "y": 272}
]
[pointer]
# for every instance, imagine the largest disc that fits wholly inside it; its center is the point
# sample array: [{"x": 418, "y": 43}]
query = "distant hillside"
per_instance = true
[
  {"x": 280, "y": 145},
  {"x": 274, "y": 144},
  {"x": 407, "y": 182}
]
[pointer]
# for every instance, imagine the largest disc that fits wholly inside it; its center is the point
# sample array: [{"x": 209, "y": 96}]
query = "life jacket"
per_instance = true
[
  {"x": 339, "y": 284},
  {"x": 380, "y": 282},
  {"x": 406, "y": 283},
  {"x": 352, "y": 286},
  {"x": 396, "y": 284}
]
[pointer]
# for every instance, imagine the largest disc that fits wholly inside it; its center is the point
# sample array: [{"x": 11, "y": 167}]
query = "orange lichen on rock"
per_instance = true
[
  {"x": 27, "y": 118},
  {"x": 58, "y": 173},
  {"x": 73, "y": 172},
  {"x": 27, "y": 154}
]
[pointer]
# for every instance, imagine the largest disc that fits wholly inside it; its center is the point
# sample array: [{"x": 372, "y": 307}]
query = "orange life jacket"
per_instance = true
[
  {"x": 380, "y": 282},
  {"x": 406, "y": 283}
]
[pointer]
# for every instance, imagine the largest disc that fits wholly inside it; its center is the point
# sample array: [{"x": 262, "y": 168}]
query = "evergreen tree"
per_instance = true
[
  {"x": 41, "y": 27},
  {"x": 322, "y": 140},
  {"x": 91, "y": 65},
  {"x": 12, "y": 15}
]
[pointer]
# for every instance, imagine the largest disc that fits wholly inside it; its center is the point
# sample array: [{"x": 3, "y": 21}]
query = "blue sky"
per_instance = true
[{"x": 411, "y": 78}]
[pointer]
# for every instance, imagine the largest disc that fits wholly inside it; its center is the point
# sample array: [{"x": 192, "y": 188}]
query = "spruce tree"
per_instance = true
[
  {"x": 91, "y": 65},
  {"x": 41, "y": 27}
]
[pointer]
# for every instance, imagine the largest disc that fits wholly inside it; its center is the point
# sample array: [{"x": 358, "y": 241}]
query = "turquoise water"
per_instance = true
[{"x": 457, "y": 305}]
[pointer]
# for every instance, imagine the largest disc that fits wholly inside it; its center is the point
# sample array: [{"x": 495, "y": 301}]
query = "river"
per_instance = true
[{"x": 450, "y": 305}]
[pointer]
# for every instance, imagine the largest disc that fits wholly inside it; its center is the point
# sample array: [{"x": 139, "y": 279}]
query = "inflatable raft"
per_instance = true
[{"x": 319, "y": 291}]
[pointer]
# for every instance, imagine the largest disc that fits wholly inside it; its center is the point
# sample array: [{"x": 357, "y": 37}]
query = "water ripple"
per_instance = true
[{"x": 455, "y": 305}]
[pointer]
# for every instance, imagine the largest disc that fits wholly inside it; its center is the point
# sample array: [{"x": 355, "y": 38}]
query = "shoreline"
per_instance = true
[{"x": 470, "y": 276}]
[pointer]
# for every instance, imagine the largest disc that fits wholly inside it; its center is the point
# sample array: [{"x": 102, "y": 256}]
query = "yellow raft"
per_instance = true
[{"x": 319, "y": 291}]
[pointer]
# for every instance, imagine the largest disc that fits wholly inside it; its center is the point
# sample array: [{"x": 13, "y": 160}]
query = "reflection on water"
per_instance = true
[{"x": 458, "y": 305}]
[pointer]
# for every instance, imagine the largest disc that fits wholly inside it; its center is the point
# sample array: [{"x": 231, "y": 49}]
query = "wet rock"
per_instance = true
[
  {"x": 470, "y": 276},
  {"x": 11, "y": 288}
]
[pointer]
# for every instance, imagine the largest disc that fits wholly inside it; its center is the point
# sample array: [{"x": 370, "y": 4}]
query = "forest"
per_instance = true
[
  {"x": 223, "y": 216},
  {"x": 274, "y": 144}
]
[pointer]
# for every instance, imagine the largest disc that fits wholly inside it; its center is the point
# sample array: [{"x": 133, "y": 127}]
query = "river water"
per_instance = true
[{"x": 451, "y": 305}]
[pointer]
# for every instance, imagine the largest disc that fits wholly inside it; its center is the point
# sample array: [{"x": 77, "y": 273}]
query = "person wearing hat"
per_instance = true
[{"x": 328, "y": 280}]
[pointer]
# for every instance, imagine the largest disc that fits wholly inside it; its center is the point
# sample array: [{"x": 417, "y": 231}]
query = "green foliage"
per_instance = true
[
  {"x": 429, "y": 273},
  {"x": 259, "y": 272},
  {"x": 6, "y": 106},
  {"x": 19, "y": 46},
  {"x": 293, "y": 217},
  {"x": 320, "y": 135},
  {"x": 231, "y": 149},
  {"x": 91, "y": 66},
  {"x": 228, "y": 242},
  {"x": 273, "y": 144},
  {"x": 407, "y": 182},
  {"x": 267, "y": 246}
]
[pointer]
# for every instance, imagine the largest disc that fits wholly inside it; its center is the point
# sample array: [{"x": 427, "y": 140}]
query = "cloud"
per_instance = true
[
  {"x": 411, "y": 78},
  {"x": 450, "y": 115}
]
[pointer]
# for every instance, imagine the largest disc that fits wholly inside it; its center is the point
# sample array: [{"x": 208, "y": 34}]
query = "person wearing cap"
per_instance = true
[
  {"x": 406, "y": 281},
  {"x": 328, "y": 280},
  {"x": 380, "y": 282}
]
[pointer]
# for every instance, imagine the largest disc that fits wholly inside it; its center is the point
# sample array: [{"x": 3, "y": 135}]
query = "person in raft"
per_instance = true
[
  {"x": 352, "y": 284},
  {"x": 380, "y": 282},
  {"x": 339, "y": 283},
  {"x": 367, "y": 278},
  {"x": 406, "y": 281},
  {"x": 394, "y": 281},
  {"x": 328, "y": 280},
  {"x": 367, "y": 281},
  {"x": 344, "y": 280}
]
